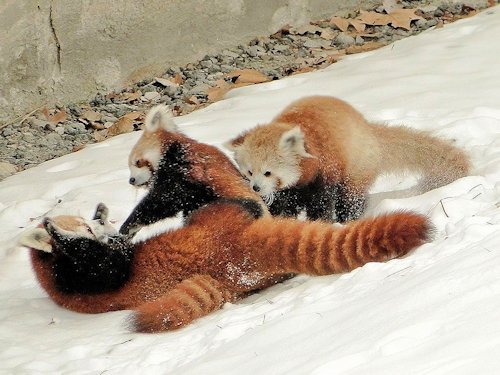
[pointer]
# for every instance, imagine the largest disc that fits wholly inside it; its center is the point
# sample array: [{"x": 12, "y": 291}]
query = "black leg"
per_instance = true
[{"x": 348, "y": 205}]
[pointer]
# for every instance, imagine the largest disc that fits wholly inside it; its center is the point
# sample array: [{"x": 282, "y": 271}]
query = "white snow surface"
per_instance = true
[{"x": 436, "y": 311}]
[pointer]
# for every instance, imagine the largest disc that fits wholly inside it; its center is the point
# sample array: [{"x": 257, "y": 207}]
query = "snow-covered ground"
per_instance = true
[{"x": 434, "y": 312}]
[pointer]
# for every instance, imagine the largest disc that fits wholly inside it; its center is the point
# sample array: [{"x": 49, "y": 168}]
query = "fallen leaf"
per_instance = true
[
  {"x": 306, "y": 69},
  {"x": 374, "y": 18},
  {"x": 133, "y": 115},
  {"x": 177, "y": 79},
  {"x": 403, "y": 17},
  {"x": 97, "y": 126},
  {"x": 166, "y": 82},
  {"x": 217, "y": 93},
  {"x": 56, "y": 118},
  {"x": 192, "y": 100},
  {"x": 368, "y": 46},
  {"x": 92, "y": 116},
  {"x": 123, "y": 125},
  {"x": 341, "y": 23},
  {"x": 131, "y": 96},
  {"x": 247, "y": 76},
  {"x": 304, "y": 29},
  {"x": 78, "y": 148},
  {"x": 328, "y": 34},
  {"x": 344, "y": 23},
  {"x": 100, "y": 135}
]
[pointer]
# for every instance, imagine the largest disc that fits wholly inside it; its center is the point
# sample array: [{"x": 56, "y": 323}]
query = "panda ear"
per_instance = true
[
  {"x": 101, "y": 212},
  {"x": 293, "y": 141},
  {"x": 236, "y": 143},
  {"x": 160, "y": 118},
  {"x": 36, "y": 238}
]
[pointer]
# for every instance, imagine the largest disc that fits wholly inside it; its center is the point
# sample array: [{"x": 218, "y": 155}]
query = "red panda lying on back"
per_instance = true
[
  {"x": 321, "y": 155},
  {"x": 176, "y": 277}
]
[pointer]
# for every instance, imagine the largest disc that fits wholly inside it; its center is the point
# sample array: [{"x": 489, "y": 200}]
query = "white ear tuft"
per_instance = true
[
  {"x": 293, "y": 141},
  {"x": 36, "y": 238},
  {"x": 160, "y": 117},
  {"x": 235, "y": 143},
  {"x": 231, "y": 146}
]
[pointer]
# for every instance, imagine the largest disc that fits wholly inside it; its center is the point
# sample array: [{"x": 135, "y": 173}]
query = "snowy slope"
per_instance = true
[{"x": 433, "y": 312}]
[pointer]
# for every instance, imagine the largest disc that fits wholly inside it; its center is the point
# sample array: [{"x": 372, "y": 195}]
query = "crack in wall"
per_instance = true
[{"x": 56, "y": 39}]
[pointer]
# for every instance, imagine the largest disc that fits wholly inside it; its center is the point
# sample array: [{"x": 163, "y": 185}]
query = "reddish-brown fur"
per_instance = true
[
  {"x": 185, "y": 274},
  {"x": 349, "y": 150},
  {"x": 209, "y": 165}
]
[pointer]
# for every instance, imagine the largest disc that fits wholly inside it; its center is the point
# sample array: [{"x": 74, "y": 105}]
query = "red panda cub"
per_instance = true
[
  {"x": 176, "y": 277},
  {"x": 321, "y": 155}
]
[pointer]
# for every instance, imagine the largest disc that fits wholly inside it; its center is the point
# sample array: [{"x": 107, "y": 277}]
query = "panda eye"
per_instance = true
[
  {"x": 101, "y": 222},
  {"x": 89, "y": 230},
  {"x": 267, "y": 174},
  {"x": 250, "y": 173},
  {"x": 138, "y": 163}
]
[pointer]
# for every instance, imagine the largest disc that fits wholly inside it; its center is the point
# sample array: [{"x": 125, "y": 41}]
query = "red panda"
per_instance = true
[
  {"x": 193, "y": 173},
  {"x": 321, "y": 155},
  {"x": 179, "y": 276}
]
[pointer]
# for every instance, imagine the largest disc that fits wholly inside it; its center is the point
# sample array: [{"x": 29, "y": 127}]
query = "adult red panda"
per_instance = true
[
  {"x": 321, "y": 155},
  {"x": 192, "y": 173},
  {"x": 176, "y": 277}
]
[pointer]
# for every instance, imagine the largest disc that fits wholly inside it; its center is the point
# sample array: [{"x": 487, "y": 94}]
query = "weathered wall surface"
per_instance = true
[{"x": 67, "y": 50}]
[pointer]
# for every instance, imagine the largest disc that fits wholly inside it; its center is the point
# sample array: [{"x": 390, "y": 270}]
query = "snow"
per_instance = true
[{"x": 433, "y": 312}]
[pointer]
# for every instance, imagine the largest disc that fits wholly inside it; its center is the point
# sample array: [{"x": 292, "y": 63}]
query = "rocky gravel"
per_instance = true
[{"x": 48, "y": 133}]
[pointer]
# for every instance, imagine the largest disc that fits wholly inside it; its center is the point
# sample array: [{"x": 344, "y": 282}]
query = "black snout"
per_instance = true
[
  {"x": 131, "y": 181},
  {"x": 256, "y": 188}
]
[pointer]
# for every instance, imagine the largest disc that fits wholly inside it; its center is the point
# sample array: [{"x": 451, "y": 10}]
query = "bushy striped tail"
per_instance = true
[
  {"x": 190, "y": 299},
  {"x": 317, "y": 248}
]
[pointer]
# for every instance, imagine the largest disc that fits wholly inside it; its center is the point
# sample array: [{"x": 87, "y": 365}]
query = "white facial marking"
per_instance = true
[{"x": 140, "y": 176}]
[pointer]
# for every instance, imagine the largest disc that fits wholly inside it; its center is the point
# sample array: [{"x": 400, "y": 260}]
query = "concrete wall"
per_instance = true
[{"x": 67, "y": 50}]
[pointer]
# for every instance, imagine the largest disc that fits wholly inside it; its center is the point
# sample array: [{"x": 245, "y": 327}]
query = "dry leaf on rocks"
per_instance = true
[
  {"x": 166, "y": 82},
  {"x": 56, "y": 118},
  {"x": 133, "y": 115},
  {"x": 403, "y": 17},
  {"x": 341, "y": 23},
  {"x": 358, "y": 25},
  {"x": 177, "y": 79},
  {"x": 97, "y": 126},
  {"x": 192, "y": 100},
  {"x": 100, "y": 135},
  {"x": 218, "y": 91},
  {"x": 328, "y": 34},
  {"x": 304, "y": 29},
  {"x": 365, "y": 47},
  {"x": 78, "y": 148},
  {"x": 374, "y": 18},
  {"x": 247, "y": 76},
  {"x": 131, "y": 96},
  {"x": 92, "y": 116},
  {"x": 123, "y": 125}
]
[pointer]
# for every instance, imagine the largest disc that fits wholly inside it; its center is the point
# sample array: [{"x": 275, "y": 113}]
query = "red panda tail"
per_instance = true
[{"x": 190, "y": 299}]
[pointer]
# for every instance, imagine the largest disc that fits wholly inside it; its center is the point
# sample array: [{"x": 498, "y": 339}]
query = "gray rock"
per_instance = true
[
  {"x": 229, "y": 53},
  {"x": 344, "y": 40},
  {"x": 314, "y": 43},
  {"x": 432, "y": 22},
  {"x": 74, "y": 128},
  {"x": 359, "y": 40},
  {"x": 8, "y": 131}
]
